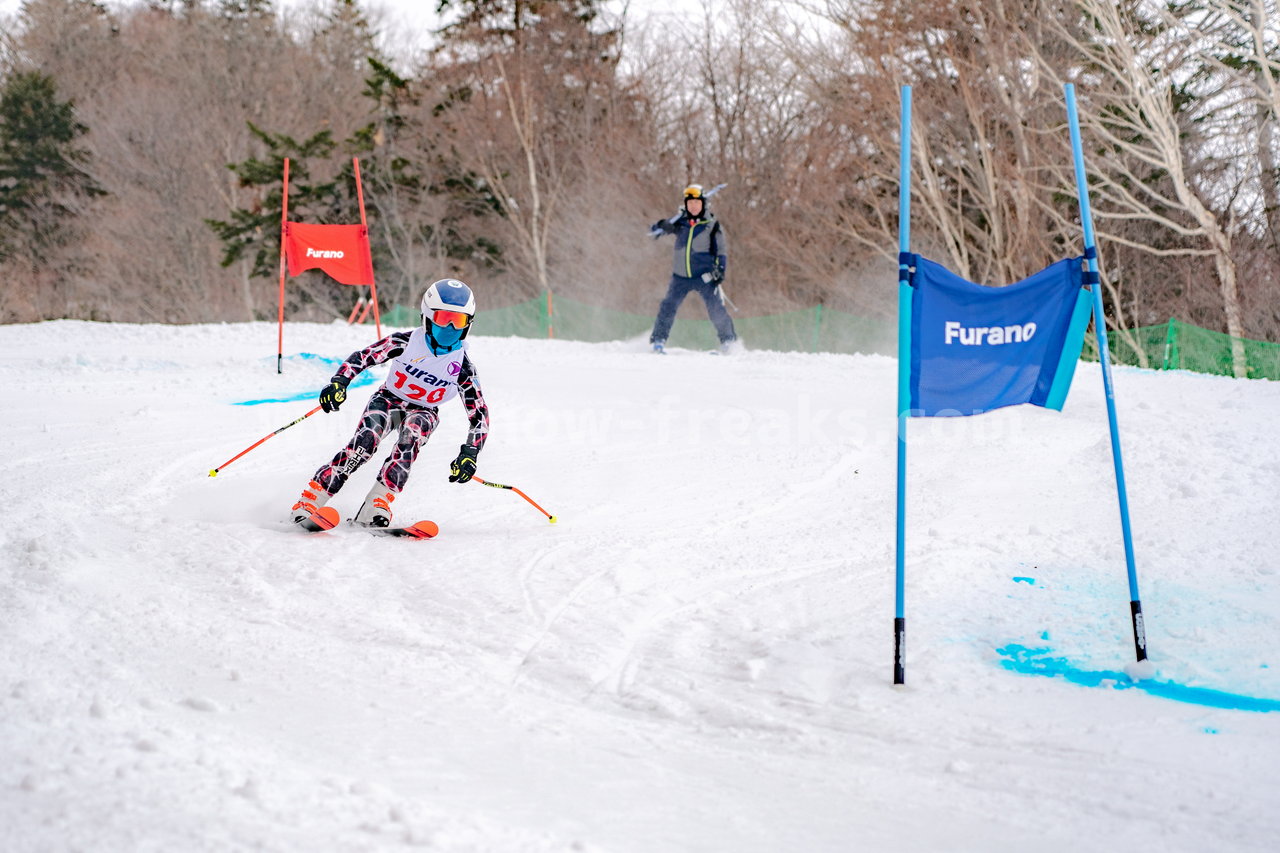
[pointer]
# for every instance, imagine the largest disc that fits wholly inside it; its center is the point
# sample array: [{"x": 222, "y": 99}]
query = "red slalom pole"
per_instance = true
[
  {"x": 373, "y": 284},
  {"x": 213, "y": 472},
  {"x": 284, "y": 231},
  {"x": 551, "y": 518}
]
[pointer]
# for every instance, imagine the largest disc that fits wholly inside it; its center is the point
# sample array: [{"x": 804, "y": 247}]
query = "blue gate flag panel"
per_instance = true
[{"x": 976, "y": 348}]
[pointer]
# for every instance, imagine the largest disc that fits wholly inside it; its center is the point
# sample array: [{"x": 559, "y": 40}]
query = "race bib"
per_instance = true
[{"x": 420, "y": 377}]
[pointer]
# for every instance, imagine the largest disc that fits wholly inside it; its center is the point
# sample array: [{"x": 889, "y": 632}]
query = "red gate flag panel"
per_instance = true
[{"x": 342, "y": 251}]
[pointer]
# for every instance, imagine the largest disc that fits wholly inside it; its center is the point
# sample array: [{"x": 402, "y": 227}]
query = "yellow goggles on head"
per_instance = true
[{"x": 693, "y": 191}]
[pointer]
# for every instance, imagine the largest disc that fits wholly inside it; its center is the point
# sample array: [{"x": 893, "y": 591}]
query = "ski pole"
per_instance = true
[
  {"x": 549, "y": 516},
  {"x": 724, "y": 297},
  {"x": 213, "y": 472}
]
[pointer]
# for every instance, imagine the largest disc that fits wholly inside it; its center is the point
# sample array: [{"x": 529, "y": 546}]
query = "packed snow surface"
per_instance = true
[{"x": 696, "y": 657}]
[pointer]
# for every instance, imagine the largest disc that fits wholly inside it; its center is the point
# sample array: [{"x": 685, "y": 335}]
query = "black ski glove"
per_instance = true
[
  {"x": 716, "y": 276},
  {"x": 462, "y": 469},
  {"x": 332, "y": 396},
  {"x": 663, "y": 226}
]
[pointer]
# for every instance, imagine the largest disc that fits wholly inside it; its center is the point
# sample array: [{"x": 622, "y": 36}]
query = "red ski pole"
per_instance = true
[
  {"x": 549, "y": 516},
  {"x": 213, "y": 472}
]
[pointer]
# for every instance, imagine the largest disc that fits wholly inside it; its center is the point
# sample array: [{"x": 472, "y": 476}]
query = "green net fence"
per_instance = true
[
  {"x": 1174, "y": 345},
  {"x": 817, "y": 329}
]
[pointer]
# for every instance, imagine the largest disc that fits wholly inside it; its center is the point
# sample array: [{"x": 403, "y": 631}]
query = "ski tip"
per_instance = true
[
  {"x": 326, "y": 517},
  {"x": 425, "y": 529}
]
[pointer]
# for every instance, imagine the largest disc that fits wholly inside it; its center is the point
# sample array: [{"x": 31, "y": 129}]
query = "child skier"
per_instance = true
[{"x": 429, "y": 366}]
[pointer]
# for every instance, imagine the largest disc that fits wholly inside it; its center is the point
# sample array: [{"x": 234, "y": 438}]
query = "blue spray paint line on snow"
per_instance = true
[
  {"x": 1028, "y": 661},
  {"x": 1028, "y": 581},
  {"x": 311, "y": 356},
  {"x": 310, "y": 394}
]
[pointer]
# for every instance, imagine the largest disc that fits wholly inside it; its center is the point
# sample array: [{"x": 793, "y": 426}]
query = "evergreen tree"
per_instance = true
[
  {"x": 424, "y": 207},
  {"x": 43, "y": 177},
  {"x": 531, "y": 86},
  {"x": 246, "y": 10},
  {"x": 509, "y": 21},
  {"x": 254, "y": 231},
  {"x": 345, "y": 37}
]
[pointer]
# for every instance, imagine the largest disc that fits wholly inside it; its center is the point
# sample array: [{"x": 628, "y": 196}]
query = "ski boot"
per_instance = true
[
  {"x": 313, "y": 497},
  {"x": 310, "y": 512},
  {"x": 376, "y": 509}
]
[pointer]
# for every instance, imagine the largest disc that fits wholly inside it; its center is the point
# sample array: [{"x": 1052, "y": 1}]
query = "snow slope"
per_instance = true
[{"x": 697, "y": 657}]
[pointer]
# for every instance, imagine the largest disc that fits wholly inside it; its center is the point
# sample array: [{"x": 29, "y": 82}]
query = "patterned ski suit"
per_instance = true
[{"x": 417, "y": 383}]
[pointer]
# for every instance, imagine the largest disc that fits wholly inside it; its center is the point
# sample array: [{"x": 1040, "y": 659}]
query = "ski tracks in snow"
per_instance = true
[{"x": 651, "y": 611}]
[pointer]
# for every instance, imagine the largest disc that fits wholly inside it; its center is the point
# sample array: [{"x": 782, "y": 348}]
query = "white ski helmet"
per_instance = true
[{"x": 447, "y": 308}]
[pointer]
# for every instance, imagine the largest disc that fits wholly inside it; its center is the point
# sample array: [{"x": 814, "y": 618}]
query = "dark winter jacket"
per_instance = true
[{"x": 701, "y": 245}]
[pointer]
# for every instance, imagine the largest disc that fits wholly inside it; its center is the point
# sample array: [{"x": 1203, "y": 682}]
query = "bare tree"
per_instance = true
[
  {"x": 1239, "y": 43},
  {"x": 1133, "y": 64},
  {"x": 980, "y": 136},
  {"x": 538, "y": 139},
  {"x": 168, "y": 93},
  {"x": 531, "y": 89}
]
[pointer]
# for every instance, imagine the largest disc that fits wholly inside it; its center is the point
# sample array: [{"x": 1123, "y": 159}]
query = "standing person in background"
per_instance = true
[{"x": 698, "y": 264}]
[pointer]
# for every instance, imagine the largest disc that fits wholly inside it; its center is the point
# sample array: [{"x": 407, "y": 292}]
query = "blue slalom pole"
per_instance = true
[
  {"x": 1104, "y": 358},
  {"x": 904, "y": 389}
]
